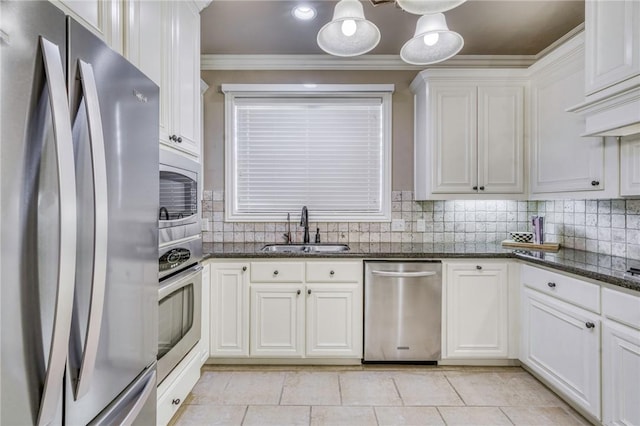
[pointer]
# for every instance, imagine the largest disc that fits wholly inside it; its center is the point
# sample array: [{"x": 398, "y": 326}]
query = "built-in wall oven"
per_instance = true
[
  {"x": 179, "y": 313},
  {"x": 179, "y": 252}
]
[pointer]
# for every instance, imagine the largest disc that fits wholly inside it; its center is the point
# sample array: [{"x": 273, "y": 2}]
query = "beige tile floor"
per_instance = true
[{"x": 372, "y": 395}]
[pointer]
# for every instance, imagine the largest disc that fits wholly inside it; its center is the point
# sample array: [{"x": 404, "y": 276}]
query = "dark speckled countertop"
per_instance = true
[{"x": 608, "y": 269}]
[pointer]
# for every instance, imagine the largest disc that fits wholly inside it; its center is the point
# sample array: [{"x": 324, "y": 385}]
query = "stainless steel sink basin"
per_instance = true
[{"x": 305, "y": 248}]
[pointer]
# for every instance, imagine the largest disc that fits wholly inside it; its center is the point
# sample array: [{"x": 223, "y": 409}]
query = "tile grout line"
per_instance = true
[
  {"x": 395, "y": 385},
  {"x": 506, "y": 415},
  {"x": 340, "y": 389},
  {"x": 284, "y": 379},
  {"x": 244, "y": 416},
  {"x": 441, "y": 416},
  {"x": 375, "y": 415},
  {"x": 455, "y": 390},
  {"x": 310, "y": 414}
]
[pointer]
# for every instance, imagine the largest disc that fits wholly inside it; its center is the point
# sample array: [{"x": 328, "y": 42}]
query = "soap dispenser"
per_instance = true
[{"x": 317, "y": 235}]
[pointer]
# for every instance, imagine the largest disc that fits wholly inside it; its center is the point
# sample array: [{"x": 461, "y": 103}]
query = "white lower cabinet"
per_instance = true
[
  {"x": 561, "y": 343},
  {"x": 334, "y": 320},
  {"x": 229, "y": 332},
  {"x": 277, "y": 320},
  {"x": 476, "y": 306},
  {"x": 620, "y": 374}
]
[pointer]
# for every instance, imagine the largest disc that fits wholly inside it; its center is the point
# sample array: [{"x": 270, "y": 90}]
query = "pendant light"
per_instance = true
[
  {"x": 348, "y": 33},
  {"x": 424, "y": 7},
  {"x": 432, "y": 42}
]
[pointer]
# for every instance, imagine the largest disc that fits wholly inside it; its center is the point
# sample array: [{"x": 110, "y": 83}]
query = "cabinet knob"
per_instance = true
[
  {"x": 175, "y": 401},
  {"x": 475, "y": 188},
  {"x": 179, "y": 140},
  {"x": 298, "y": 292},
  {"x": 482, "y": 188},
  {"x": 595, "y": 183},
  {"x": 551, "y": 285},
  {"x": 244, "y": 269},
  {"x": 309, "y": 291},
  {"x": 589, "y": 325},
  {"x": 332, "y": 273},
  {"x": 172, "y": 137},
  {"x": 275, "y": 272},
  {"x": 478, "y": 267}
]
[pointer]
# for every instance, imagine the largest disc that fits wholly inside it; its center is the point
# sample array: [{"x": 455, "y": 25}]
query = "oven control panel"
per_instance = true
[{"x": 174, "y": 258}]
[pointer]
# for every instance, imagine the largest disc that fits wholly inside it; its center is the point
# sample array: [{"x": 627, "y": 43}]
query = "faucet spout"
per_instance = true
[{"x": 304, "y": 221}]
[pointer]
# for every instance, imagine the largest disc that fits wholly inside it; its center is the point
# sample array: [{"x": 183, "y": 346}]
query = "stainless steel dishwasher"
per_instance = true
[{"x": 402, "y": 311}]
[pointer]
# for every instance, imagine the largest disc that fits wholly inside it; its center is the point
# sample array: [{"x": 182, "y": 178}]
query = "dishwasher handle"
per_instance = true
[{"x": 404, "y": 274}]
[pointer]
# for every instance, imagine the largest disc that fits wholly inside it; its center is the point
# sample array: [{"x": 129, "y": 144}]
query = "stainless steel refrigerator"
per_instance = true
[{"x": 79, "y": 266}]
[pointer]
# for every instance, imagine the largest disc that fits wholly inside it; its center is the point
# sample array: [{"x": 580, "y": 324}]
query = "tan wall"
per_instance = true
[{"x": 402, "y": 114}]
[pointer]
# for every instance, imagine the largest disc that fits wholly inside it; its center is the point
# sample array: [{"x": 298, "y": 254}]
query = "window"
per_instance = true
[{"x": 327, "y": 148}]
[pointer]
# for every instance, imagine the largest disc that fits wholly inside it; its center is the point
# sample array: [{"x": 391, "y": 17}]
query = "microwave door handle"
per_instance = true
[
  {"x": 100, "y": 223},
  {"x": 54, "y": 376}
]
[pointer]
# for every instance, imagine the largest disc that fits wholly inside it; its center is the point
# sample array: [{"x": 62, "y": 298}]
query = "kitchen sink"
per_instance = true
[{"x": 305, "y": 248}]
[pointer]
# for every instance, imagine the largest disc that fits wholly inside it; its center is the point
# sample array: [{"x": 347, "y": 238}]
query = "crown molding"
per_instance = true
[{"x": 362, "y": 63}]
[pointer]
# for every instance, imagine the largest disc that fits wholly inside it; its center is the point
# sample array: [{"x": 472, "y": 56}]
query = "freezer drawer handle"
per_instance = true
[
  {"x": 53, "y": 382},
  {"x": 404, "y": 274},
  {"x": 100, "y": 224}
]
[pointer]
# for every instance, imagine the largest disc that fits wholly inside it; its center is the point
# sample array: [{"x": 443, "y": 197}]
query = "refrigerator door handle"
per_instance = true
[
  {"x": 99, "y": 276},
  {"x": 53, "y": 382}
]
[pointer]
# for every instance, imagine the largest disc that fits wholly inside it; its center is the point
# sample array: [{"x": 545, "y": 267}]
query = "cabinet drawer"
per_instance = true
[
  {"x": 346, "y": 272},
  {"x": 572, "y": 290},
  {"x": 622, "y": 307},
  {"x": 183, "y": 378},
  {"x": 277, "y": 272}
]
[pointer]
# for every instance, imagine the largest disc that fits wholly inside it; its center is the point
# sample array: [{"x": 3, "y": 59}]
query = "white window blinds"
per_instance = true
[{"x": 328, "y": 153}]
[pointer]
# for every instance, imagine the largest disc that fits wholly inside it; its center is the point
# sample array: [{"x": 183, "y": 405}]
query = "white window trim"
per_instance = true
[{"x": 233, "y": 91}]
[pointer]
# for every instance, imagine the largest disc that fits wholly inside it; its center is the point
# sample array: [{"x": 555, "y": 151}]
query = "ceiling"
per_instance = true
[{"x": 511, "y": 27}]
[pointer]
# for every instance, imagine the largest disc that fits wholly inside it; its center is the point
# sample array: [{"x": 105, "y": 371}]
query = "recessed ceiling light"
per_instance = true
[{"x": 304, "y": 12}]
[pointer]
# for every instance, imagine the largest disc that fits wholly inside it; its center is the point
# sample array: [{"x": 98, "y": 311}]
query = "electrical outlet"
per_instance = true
[
  {"x": 421, "y": 225},
  {"x": 397, "y": 225}
]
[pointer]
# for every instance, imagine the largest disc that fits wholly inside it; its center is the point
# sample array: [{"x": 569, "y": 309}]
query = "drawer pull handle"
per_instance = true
[
  {"x": 482, "y": 188},
  {"x": 309, "y": 291},
  {"x": 244, "y": 269},
  {"x": 478, "y": 267},
  {"x": 176, "y": 401},
  {"x": 551, "y": 285},
  {"x": 298, "y": 292},
  {"x": 590, "y": 325},
  {"x": 475, "y": 188},
  {"x": 332, "y": 273},
  {"x": 275, "y": 272}
]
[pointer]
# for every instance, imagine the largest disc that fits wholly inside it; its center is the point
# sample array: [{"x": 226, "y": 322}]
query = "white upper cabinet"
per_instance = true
[
  {"x": 103, "y": 17},
  {"x": 613, "y": 39},
  {"x": 561, "y": 159},
  {"x": 612, "y": 68},
  {"x": 630, "y": 166},
  {"x": 469, "y": 133},
  {"x": 163, "y": 40}
]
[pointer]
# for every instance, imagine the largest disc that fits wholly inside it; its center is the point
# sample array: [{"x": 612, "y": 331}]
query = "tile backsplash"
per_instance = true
[{"x": 604, "y": 226}]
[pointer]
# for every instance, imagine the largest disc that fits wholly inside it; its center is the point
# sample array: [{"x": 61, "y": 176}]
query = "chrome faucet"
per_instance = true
[{"x": 304, "y": 221}]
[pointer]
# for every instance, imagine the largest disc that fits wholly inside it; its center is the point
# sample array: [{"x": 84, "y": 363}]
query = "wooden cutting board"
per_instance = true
[{"x": 532, "y": 246}]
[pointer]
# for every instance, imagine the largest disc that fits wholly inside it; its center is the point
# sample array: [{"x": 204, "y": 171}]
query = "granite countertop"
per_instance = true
[{"x": 605, "y": 268}]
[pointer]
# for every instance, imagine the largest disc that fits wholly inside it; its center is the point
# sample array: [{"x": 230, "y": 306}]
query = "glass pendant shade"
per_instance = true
[
  {"x": 348, "y": 33},
  {"x": 424, "y": 7},
  {"x": 432, "y": 42}
]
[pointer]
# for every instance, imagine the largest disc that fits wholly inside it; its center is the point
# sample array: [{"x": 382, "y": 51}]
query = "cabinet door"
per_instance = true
[
  {"x": 630, "y": 166},
  {"x": 612, "y": 30},
  {"x": 148, "y": 46},
  {"x": 334, "y": 320},
  {"x": 453, "y": 123},
  {"x": 562, "y": 344},
  {"x": 277, "y": 320},
  {"x": 561, "y": 159},
  {"x": 501, "y": 139},
  {"x": 477, "y": 311},
  {"x": 620, "y": 374},
  {"x": 229, "y": 310},
  {"x": 102, "y": 17},
  {"x": 186, "y": 81}
]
